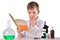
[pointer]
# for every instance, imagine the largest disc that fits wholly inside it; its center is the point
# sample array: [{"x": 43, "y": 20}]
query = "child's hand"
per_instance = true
[
  {"x": 32, "y": 22},
  {"x": 19, "y": 33}
]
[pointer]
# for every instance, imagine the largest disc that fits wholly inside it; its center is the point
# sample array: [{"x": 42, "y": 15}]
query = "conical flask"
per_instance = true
[{"x": 9, "y": 33}]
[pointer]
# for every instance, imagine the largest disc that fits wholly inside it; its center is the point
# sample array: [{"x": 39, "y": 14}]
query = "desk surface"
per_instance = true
[{"x": 32, "y": 39}]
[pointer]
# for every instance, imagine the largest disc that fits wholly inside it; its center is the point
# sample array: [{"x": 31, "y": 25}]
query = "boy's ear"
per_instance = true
[{"x": 38, "y": 11}]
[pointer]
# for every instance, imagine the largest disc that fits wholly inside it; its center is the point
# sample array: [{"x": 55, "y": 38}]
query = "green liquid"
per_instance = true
[{"x": 9, "y": 37}]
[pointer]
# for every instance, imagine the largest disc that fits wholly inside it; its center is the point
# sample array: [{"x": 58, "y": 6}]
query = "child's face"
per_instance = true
[{"x": 33, "y": 13}]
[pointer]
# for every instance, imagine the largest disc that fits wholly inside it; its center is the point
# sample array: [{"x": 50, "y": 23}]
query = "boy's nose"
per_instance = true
[{"x": 32, "y": 16}]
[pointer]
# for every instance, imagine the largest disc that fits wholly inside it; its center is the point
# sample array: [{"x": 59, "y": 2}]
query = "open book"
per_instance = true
[{"x": 20, "y": 23}]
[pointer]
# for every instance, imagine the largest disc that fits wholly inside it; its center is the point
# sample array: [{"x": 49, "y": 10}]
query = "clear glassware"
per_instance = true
[{"x": 9, "y": 33}]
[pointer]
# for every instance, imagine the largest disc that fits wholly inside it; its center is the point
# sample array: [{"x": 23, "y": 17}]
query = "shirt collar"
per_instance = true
[{"x": 37, "y": 19}]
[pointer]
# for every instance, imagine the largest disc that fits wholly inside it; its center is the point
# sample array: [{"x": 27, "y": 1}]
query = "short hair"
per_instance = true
[{"x": 32, "y": 5}]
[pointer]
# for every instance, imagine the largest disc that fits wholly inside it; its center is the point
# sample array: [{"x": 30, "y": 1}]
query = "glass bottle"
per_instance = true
[
  {"x": 9, "y": 33},
  {"x": 52, "y": 33}
]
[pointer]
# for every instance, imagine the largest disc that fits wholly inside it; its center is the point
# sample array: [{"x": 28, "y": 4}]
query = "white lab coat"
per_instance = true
[{"x": 35, "y": 31}]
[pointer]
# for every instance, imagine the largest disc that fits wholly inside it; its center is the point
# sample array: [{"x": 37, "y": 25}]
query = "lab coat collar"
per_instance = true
[{"x": 37, "y": 19}]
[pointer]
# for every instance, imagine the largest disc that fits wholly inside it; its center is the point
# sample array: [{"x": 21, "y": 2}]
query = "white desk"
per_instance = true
[{"x": 33, "y": 39}]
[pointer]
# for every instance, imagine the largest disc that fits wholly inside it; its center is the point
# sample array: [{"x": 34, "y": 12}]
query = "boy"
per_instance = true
[{"x": 35, "y": 25}]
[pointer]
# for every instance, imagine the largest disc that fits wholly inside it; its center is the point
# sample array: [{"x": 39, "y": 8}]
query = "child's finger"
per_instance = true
[
  {"x": 19, "y": 30},
  {"x": 19, "y": 35}
]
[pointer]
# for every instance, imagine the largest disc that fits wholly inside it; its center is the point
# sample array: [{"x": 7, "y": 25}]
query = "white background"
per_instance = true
[{"x": 49, "y": 12}]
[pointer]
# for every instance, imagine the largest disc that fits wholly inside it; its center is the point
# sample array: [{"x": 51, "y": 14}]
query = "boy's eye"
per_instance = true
[
  {"x": 33, "y": 12},
  {"x": 29, "y": 12}
]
